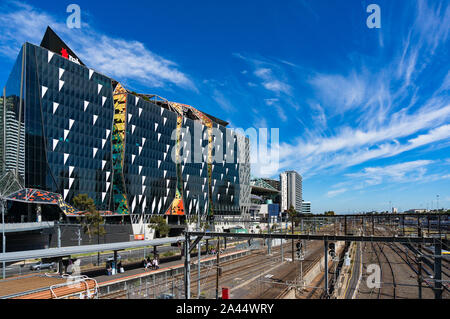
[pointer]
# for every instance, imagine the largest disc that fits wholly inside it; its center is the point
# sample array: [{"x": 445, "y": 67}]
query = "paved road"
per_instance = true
[
  {"x": 23, "y": 269},
  {"x": 354, "y": 279}
]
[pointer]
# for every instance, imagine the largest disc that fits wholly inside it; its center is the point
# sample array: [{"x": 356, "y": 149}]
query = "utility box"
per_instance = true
[{"x": 225, "y": 293}]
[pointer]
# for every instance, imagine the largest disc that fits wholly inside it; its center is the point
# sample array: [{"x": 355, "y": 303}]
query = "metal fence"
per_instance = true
[{"x": 165, "y": 284}]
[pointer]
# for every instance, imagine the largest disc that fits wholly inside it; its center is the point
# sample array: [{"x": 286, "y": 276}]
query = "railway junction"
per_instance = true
[{"x": 326, "y": 257}]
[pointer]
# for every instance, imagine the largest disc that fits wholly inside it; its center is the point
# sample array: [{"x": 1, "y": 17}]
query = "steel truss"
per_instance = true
[{"x": 437, "y": 242}]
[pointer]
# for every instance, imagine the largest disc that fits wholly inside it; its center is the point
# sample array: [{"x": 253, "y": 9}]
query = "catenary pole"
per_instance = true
[
  {"x": 2, "y": 207},
  {"x": 218, "y": 269},
  {"x": 199, "y": 253},
  {"x": 187, "y": 268}
]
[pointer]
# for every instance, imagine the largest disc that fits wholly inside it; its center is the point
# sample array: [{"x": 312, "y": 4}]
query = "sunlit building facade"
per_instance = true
[{"x": 68, "y": 129}]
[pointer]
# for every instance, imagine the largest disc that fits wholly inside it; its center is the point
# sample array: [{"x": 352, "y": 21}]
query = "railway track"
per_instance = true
[
  {"x": 254, "y": 264},
  {"x": 388, "y": 262},
  {"x": 120, "y": 294},
  {"x": 379, "y": 263},
  {"x": 427, "y": 265},
  {"x": 208, "y": 282},
  {"x": 279, "y": 288},
  {"x": 414, "y": 267}
]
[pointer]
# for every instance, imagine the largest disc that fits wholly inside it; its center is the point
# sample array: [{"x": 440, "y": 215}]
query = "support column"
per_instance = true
[
  {"x": 325, "y": 243},
  {"x": 292, "y": 231},
  {"x": 2, "y": 208},
  {"x": 218, "y": 268},
  {"x": 58, "y": 229},
  {"x": 419, "y": 230},
  {"x": 439, "y": 225},
  {"x": 198, "y": 268},
  {"x": 403, "y": 225},
  {"x": 79, "y": 236},
  {"x": 437, "y": 269},
  {"x": 269, "y": 241},
  {"x": 187, "y": 267},
  {"x": 419, "y": 274},
  {"x": 363, "y": 226},
  {"x": 345, "y": 225},
  {"x": 60, "y": 266},
  {"x": 115, "y": 261},
  {"x": 373, "y": 225}
]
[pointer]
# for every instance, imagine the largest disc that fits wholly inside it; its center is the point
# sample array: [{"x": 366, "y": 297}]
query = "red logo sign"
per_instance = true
[{"x": 64, "y": 53}]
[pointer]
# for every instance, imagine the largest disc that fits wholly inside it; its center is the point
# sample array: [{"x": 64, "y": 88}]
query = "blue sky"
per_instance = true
[{"x": 363, "y": 113}]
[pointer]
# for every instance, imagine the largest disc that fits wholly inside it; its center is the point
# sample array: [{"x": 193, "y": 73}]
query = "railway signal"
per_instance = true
[
  {"x": 332, "y": 249},
  {"x": 299, "y": 251}
]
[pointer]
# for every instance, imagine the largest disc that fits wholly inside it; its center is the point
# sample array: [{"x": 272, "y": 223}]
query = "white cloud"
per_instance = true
[
  {"x": 403, "y": 172},
  {"x": 406, "y": 173},
  {"x": 270, "y": 82},
  {"x": 354, "y": 146},
  {"x": 122, "y": 59},
  {"x": 222, "y": 101},
  {"x": 336, "y": 192},
  {"x": 339, "y": 92}
]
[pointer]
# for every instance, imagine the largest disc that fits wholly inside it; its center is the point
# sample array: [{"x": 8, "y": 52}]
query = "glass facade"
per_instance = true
[
  {"x": 12, "y": 141},
  {"x": 81, "y": 135}
]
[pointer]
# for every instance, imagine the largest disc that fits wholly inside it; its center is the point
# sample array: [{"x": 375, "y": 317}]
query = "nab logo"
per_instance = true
[{"x": 64, "y": 53}]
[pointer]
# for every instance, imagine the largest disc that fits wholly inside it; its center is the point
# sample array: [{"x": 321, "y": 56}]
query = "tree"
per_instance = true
[
  {"x": 92, "y": 222},
  {"x": 158, "y": 223},
  {"x": 329, "y": 213},
  {"x": 83, "y": 202},
  {"x": 292, "y": 215}
]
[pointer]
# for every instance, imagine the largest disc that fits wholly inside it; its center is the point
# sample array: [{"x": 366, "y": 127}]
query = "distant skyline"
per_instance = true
[{"x": 363, "y": 113}]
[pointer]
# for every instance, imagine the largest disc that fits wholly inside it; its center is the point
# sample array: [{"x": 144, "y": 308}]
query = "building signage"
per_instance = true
[{"x": 53, "y": 43}]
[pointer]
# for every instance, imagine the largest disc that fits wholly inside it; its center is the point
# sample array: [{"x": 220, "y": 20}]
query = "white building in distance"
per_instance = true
[
  {"x": 291, "y": 190},
  {"x": 306, "y": 207}
]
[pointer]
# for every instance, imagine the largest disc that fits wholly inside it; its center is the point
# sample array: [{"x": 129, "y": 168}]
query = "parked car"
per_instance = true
[{"x": 40, "y": 265}]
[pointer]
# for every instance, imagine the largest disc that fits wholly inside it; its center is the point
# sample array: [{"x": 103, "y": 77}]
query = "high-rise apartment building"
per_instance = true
[{"x": 291, "y": 191}]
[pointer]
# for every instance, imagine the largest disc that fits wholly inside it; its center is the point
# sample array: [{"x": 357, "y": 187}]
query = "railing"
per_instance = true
[{"x": 72, "y": 281}]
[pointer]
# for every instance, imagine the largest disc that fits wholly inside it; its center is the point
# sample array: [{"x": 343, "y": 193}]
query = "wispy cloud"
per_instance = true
[
  {"x": 270, "y": 82},
  {"x": 336, "y": 192},
  {"x": 378, "y": 108},
  {"x": 400, "y": 173},
  {"x": 220, "y": 99},
  {"x": 403, "y": 172},
  {"x": 126, "y": 60}
]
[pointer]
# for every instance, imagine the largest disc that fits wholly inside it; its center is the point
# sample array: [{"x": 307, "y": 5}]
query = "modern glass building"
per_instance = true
[{"x": 68, "y": 129}]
